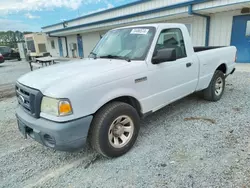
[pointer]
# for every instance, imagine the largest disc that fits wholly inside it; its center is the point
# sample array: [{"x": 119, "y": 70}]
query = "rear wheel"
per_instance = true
[
  {"x": 114, "y": 129},
  {"x": 216, "y": 87}
]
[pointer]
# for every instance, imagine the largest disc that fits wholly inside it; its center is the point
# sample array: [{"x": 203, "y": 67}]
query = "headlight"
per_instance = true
[{"x": 57, "y": 107}]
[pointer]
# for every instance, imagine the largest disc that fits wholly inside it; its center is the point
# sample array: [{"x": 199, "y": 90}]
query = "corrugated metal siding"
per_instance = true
[
  {"x": 216, "y": 3},
  {"x": 89, "y": 42},
  {"x": 221, "y": 28},
  {"x": 125, "y": 11},
  {"x": 149, "y": 5},
  {"x": 198, "y": 25},
  {"x": 146, "y": 19}
]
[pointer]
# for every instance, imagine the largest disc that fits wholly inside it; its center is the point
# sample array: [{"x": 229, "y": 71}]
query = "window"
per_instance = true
[
  {"x": 52, "y": 44},
  {"x": 172, "y": 38},
  {"x": 248, "y": 29},
  {"x": 42, "y": 47},
  {"x": 129, "y": 43},
  {"x": 31, "y": 46}
]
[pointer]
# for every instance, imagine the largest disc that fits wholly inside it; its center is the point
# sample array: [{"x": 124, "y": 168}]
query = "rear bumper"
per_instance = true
[{"x": 64, "y": 136}]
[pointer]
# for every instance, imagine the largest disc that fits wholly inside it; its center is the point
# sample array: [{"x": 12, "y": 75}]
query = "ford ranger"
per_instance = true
[{"x": 131, "y": 72}]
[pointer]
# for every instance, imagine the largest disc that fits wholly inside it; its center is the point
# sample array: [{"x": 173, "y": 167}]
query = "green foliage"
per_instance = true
[{"x": 11, "y": 38}]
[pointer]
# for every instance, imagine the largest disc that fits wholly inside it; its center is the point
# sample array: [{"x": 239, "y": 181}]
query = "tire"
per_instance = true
[
  {"x": 216, "y": 87},
  {"x": 19, "y": 59},
  {"x": 105, "y": 129}
]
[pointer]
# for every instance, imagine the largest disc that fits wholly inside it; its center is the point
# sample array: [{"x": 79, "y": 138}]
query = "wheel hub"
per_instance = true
[
  {"x": 121, "y": 131},
  {"x": 218, "y": 86},
  {"x": 118, "y": 130}
]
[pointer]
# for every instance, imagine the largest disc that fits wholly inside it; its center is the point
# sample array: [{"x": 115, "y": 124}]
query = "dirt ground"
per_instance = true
[{"x": 190, "y": 143}]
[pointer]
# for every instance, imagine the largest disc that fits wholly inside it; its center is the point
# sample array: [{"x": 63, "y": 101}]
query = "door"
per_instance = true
[
  {"x": 172, "y": 80},
  {"x": 60, "y": 47},
  {"x": 80, "y": 46},
  {"x": 241, "y": 38}
]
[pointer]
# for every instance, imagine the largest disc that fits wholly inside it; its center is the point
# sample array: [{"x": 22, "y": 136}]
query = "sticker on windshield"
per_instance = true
[{"x": 139, "y": 31}]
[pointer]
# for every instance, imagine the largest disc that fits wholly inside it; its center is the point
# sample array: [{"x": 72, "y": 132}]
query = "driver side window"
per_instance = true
[{"x": 172, "y": 38}]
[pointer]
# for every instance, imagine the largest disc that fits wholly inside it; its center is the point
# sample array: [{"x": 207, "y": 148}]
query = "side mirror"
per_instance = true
[{"x": 163, "y": 55}]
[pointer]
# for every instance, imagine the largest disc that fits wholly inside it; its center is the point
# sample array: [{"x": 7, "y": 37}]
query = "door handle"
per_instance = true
[{"x": 189, "y": 64}]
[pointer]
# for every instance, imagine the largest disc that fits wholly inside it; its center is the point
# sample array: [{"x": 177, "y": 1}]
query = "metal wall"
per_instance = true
[
  {"x": 89, "y": 42},
  {"x": 53, "y": 52},
  {"x": 221, "y": 28},
  {"x": 147, "y": 5},
  {"x": 198, "y": 25},
  {"x": 218, "y": 3},
  {"x": 72, "y": 39}
]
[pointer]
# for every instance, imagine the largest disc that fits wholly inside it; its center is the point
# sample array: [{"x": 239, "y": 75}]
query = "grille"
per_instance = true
[{"x": 29, "y": 99}]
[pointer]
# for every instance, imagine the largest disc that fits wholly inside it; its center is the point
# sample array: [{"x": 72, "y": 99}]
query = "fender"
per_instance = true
[{"x": 120, "y": 92}]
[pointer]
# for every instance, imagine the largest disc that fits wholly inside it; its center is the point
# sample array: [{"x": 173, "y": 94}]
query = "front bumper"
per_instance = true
[{"x": 64, "y": 136}]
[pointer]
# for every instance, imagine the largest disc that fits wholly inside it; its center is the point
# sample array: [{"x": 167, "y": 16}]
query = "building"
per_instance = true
[
  {"x": 210, "y": 22},
  {"x": 36, "y": 44}
]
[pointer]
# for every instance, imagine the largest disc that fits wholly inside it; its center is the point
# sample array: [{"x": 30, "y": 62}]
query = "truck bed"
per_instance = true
[{"x": 203, "y": 48}]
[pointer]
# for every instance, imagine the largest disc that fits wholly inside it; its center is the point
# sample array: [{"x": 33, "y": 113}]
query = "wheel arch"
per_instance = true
[
  {"x": 126, "y": 99},
  {"x": 222, "y": 67}
]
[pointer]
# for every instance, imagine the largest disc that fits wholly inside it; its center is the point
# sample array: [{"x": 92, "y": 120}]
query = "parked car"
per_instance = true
[
  {"x": 131, "y": 73},
  {"x": 9, "y": 54},
  {"x": 1, "y": 58}
]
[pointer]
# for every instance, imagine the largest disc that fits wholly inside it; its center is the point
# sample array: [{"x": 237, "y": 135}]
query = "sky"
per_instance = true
[{"x": 31, "y": 15}]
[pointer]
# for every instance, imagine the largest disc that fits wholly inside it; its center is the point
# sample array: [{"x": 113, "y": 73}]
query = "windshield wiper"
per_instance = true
[
  {"x": 94, "y": 54},
  {"x": 115, "y": 57}
]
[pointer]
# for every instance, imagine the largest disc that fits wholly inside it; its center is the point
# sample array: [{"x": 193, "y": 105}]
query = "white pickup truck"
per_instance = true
[{"x": 132, "y": 72}]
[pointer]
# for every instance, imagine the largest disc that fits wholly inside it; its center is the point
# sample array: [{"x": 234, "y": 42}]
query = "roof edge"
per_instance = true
[{"x": 101, "y": 12}]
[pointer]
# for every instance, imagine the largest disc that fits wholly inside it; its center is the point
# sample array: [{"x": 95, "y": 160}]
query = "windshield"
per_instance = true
[{"x": 128, "y": 43}]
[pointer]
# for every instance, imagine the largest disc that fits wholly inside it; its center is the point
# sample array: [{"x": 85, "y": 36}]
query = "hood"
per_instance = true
[{"x": 71, "y": 72}]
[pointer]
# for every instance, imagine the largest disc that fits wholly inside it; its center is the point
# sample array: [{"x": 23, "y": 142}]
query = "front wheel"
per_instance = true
[
  {"x": 114, "y": 129},
  {"x": 216, "y": 87}
]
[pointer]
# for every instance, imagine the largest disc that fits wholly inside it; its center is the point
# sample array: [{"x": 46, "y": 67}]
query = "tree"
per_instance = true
[{"x": 11, "y": 38}]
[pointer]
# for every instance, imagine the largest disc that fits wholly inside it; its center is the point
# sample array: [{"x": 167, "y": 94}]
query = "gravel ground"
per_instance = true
[{"x": 190, "y": 143}]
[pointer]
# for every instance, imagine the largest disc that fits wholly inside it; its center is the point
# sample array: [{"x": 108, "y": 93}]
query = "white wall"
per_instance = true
[
  {"x": 89, "y": 41},
  {"x": 64, "y": 46},
  {"x": 72, "y": 39},
  {"x": 198, "y": 28},
  {"x": 217, "y": 3},
  {"x": 53, "y": 52},
  {"x": 141, "y": 7},
  {"x": 221, "y": 28}
]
